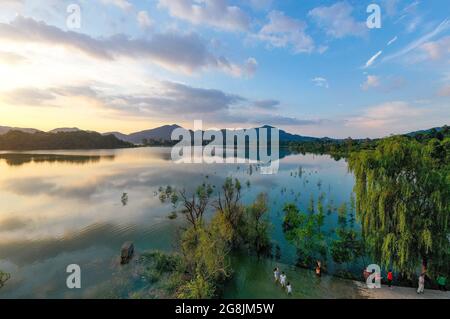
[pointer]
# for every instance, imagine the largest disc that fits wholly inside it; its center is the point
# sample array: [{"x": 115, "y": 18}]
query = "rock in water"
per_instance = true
[{"x": 126, "y": 252}]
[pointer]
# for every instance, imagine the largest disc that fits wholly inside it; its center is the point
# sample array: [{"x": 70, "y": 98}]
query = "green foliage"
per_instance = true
[
  {"x": 342, "y": 214},
  {"x": 4, "y": 277},
  {"x": 196, "y": 288},
  {"x": 17, "y": 140},
  {"x": 348, "y": 247},
  {"x": 402, "y": 199},
  {"x": 303, "y": 230},
  {"x": 205, "y": 246},
  {"x": 256, "y": 226},
  {"x": 343, "y": 148}
]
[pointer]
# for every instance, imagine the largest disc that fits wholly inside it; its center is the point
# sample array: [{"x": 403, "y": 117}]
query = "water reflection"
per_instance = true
[
  {"x": 18, "y": 159},
  {"x": 54, "y": 213}
]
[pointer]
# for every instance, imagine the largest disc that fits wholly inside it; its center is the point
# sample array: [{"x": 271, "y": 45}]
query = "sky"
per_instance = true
[{"x": 309, "y": 67}]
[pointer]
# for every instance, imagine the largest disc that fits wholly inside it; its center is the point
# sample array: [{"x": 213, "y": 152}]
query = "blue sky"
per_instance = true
[{"x": 310, "y": 67}]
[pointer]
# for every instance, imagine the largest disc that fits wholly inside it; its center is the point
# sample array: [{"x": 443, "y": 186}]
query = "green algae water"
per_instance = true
[{"x": 66, "y": 207}]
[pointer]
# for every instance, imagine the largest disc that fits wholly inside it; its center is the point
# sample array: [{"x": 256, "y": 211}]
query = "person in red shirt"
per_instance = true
[{"x": 390, "y": 278}]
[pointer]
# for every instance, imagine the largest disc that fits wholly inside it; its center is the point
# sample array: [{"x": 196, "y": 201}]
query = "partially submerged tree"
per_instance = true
[
  {"x": 303, "y": 230},
  {"x": 4, "y": 277},
  {"x": 257, "y": 226}
]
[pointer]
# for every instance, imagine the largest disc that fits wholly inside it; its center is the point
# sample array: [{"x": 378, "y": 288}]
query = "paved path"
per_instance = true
[{"x": 401, "y": 293}]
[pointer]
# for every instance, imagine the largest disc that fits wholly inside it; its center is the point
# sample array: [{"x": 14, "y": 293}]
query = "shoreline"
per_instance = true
[{"x": 397, "y": 292}]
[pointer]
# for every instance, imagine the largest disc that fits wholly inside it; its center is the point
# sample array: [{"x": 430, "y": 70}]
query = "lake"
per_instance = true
[{"x": 67, "y": 207}]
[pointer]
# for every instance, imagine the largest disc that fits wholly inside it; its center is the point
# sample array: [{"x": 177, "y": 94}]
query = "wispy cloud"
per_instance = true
[
  {"x": 443, "y": 26},
  {"x": 394, "y": 39},
  {"x": 372, "y": 59},
  {"x": 321, "y": 82},
  {"x": 371, "y": 82}
]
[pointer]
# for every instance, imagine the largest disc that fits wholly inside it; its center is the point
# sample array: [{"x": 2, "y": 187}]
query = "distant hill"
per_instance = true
[
  {"x": 65, "y": 129},
  {"x": 162, "y": 133},
  {"x": 288, "y": 137},
  {"x": 19, "y": 140},
  {"x": 425, "y": 132},
  {"x": 6, "y": 129}
]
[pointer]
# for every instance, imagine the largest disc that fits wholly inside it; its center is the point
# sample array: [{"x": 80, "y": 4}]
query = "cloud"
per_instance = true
[
  {"x": 215, "y": 13},
  {"x": 337, "y": 20},
  {"x": 164, "y": 101},
  {"x": 27, "y": 97},
  {"x": 386, "y": 115},
  {"x": 267, "y": 104},
  {"x": 321, "y": 82},
  {"x": 144, "y": 19},
  {"x": 11, "y": 58},
  {"x": 372, "y": 59},
  {"x": 371, "y": 82},
  {"x": 283, "y": 31},
  {"x": 444, "y": 91},
  {"x": 260, "y": 4},
  {"x": 122, "y": 4},
  {"x": 443, "y": 26},
  {"x": 179, "y": 52},
  {"x": 435, "y": 50},
  {"x": 391, "y": 6},
  {"x": 392, "y": 40},
  {"x": 251, "y": 65}
]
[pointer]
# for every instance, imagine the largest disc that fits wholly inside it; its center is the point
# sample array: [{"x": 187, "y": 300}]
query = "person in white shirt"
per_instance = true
[
  {"x": 289, "y": 288},
  {"x": 283, "y": 279},
  {"x": 276, "y": 274}
]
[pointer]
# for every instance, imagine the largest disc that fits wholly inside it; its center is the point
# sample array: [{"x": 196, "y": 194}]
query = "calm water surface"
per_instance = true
[{"x": 64, "y": 207}]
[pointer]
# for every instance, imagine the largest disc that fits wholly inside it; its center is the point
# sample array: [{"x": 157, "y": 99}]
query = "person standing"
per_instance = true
[
  {"x": 319, "y": 269},
  {"x": 421, "y": 288},
  {"x": 289, "y": 288},
  {"x": 390, "y": 278},
  {"x": 442, "y": 281},
  {"x": 276, "y": 274},
  {"x": 283, "y": 279}
]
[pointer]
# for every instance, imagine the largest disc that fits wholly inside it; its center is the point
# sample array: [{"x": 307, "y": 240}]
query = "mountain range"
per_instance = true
[{"x": 163, "y": 134}]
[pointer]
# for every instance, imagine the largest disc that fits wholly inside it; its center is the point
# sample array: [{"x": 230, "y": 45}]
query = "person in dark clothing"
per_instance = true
[{"x": 442, "y": 281}]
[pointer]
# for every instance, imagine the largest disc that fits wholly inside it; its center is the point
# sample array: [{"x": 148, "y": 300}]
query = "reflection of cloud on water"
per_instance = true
[
  {"x": 14, "y": 223},
  {"x": 36, "y": 186},
  {"x": 56, "y": 214},
  {"x": 156, "y": 235},
  {"x": 46, "y": 278}
]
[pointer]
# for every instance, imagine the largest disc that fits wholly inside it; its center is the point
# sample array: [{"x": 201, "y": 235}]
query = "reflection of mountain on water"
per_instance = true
[{"x": 18, "y": 159}]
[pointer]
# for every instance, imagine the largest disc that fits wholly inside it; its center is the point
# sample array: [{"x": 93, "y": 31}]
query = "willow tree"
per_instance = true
[{"x": 402, "y": 201}]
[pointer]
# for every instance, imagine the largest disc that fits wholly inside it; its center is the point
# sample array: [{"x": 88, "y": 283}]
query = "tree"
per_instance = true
[
  {"x": 303, "y": 230},
  {"x": 195, "y": 207},
  {"x": 402, "y": 194},
  {"x": 4, "y": 277},
  {"x": 257, "y": 225},
  {"x": 228, "y": 204}
]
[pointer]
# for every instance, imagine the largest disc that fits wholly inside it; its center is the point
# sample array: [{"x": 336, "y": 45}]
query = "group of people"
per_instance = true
[
  {"x": 441, "y": 280},
  {"x": 281, "y": 278}
]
